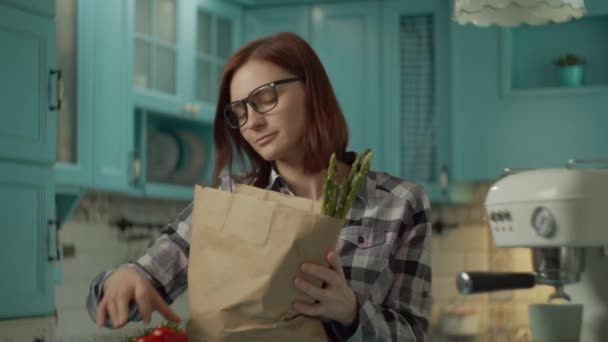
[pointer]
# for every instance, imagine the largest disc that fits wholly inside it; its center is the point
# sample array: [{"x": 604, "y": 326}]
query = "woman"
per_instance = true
[{"x": 277, "y": 107}]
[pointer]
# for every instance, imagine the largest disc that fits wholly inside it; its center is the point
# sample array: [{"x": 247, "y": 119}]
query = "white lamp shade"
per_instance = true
[{"x": 515, "y": 12}]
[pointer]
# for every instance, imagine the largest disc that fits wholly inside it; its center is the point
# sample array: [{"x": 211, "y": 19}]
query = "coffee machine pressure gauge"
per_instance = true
[{"x": 543, "y": 222}]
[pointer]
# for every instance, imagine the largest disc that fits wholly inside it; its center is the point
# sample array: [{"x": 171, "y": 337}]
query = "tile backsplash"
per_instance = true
[{"x": 465, "y": 244}]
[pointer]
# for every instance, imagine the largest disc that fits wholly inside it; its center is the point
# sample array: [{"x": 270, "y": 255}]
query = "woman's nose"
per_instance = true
[{"x": 254, "y": 118}]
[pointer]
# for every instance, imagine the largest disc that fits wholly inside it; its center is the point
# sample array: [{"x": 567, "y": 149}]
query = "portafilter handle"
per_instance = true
[{"x": 475, "y": 282}]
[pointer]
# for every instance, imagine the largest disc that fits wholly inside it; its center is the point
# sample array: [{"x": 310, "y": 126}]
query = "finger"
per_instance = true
[
  {"x": 335, "y": 263},
  {"x": 122, "y": 310},
  {"x": 161, "y": 306},
  {"x": 314, "y": 310},
  {"x": 145, "y": 307},
  {"x": 311, "y": 290},
  {"x": 324, "y": 273},
  {"x": 101, "y": 313},
  {"x": 112, "y": 311}
]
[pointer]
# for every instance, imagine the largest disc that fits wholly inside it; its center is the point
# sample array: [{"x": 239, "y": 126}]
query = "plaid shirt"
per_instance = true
[{"x": 385, "y": 248}]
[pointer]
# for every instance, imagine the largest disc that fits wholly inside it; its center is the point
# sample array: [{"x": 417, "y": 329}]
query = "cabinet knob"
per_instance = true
[
  {"x": 196, "y": 108},
  {"x": 188, "y": 108}
]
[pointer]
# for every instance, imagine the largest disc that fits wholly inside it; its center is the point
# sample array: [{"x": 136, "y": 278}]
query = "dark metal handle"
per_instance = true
[
  {"x": 59, "y": 94},
  {"x": 475, "y": 282},
  {"x": 53, "y": 252}
]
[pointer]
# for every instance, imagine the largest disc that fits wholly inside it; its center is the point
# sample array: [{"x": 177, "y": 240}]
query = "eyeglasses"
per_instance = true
[{"x": 261, "y": 99}]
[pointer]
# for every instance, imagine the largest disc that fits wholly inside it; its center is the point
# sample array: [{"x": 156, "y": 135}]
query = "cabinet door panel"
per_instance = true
[
  {"x": 345, "y": 37},
  {"x": 24, "y": 86},
  {"x": 260, "y": 22},
  {"x": 26, "y": 202},
  {"x": 46, "y": 7}
]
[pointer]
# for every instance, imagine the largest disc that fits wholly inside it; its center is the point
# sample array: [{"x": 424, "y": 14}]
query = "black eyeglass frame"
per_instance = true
[{"x": 247, "y": 100}]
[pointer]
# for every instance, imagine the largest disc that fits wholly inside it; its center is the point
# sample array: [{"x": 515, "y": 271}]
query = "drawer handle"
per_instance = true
[{"x": 59, "y": 94}]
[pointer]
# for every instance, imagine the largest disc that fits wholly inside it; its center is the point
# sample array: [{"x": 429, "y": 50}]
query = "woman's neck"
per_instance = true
[{"x": 306, "y": 185}]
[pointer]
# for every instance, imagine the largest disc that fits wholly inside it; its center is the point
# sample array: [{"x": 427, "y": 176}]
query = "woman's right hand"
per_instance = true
[{"x": 127, "y": 285}]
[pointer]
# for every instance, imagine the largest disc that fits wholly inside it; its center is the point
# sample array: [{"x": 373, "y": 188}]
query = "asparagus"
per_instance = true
[
  {"x": 347, "y": 183},
  {"x": 338, "y": 199},
  {"x": 329, "y": 187},
  {"x": 356, "y": 183}
]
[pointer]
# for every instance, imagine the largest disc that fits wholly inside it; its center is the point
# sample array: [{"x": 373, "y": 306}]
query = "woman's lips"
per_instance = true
[{"x": 265, "y": 139}]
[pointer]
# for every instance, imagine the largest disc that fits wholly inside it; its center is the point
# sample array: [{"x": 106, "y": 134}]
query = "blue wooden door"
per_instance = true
[
  {"x": 26, "y": 240},
  {"x": 112, "y": 119},
  {"x": 260, "y": 22},
  {"x": 345, "y": 36},
  {"x": 27, "y": 86},
  {"x": 416, "y": 98}
]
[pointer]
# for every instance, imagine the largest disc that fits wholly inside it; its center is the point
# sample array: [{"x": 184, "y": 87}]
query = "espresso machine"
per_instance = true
[{"x": 561, "y": 214}]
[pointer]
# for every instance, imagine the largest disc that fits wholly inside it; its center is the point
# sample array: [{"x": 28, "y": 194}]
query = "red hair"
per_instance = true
[{"x": 326, "y": 130}]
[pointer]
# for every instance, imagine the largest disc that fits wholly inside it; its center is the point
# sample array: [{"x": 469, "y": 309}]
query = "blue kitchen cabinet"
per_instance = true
[
  {"x": 113, "y": 156},
  {"x": 42, "y": 8},
  {"x": 177, "y": 51},
  {"x": 28, "y": 92},
  {"x": 265, "y": 21},
  {"x": 156, "y": 51},
  {"x": 346, "y": 38},
  {"x": 213, "y": 34},
  {"x": 416, "y": 83},
  {"x": 507, "y": 113},
  {"x": 28, "y": 73},
  {"x": 75, "y": 44},
  {"x": 162, "y": 65},
  {"x": 27, "y": 240}
]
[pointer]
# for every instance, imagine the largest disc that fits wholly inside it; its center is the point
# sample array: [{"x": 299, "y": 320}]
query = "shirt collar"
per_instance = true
[{"x": 276, "y": 182}]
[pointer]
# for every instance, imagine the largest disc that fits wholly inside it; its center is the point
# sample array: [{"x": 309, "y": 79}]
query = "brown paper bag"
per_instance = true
[{"x": 246, "y": 248}]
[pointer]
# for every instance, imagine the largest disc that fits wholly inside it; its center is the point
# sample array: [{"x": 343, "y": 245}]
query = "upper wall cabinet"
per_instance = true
[
  {"x": 73, "y": 43},
  {"x": 167, "y": 65},
  {"x": 29, "y": 69},
  {"x": 416, "y": 96},
  {"x": 260, "y": 22},
  {"x": 44, "y": 8},
  {"x": 345, "y": 36},
  {"x": 178, "y": 51}
]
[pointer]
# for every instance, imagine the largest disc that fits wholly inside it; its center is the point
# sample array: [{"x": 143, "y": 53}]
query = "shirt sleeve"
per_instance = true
[
  {"x": 404, "y": 315},
  {"x": 165, "y": 264}
]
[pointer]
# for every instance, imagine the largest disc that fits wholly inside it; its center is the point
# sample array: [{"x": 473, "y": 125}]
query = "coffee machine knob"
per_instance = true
[{"x": 543, "y": 222}]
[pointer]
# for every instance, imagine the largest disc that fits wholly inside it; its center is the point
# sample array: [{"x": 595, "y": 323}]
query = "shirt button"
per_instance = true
[{"x": 360, "y": 239}]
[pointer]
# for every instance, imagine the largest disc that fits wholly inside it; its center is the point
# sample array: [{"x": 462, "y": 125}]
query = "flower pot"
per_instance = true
[{"x": 571, "y": 76}]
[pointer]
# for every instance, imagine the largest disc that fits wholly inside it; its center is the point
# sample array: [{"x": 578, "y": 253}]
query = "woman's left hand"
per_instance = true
[{"x": 334, "y": 300}]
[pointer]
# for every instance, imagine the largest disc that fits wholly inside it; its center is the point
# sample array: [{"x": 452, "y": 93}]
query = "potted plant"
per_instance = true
[{"x": 570, "y": 70}]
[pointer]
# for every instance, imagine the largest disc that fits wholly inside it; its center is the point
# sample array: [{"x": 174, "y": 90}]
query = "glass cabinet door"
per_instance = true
[
  {"x": 155, "y": 46},
  {"x": 67, "y": 120},
  {"x": 216, "y": 35},
  {"x": 214, "y": 43}
]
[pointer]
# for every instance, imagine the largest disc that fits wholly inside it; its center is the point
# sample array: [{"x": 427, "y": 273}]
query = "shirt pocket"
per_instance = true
[{"x": 363, "y": 237}]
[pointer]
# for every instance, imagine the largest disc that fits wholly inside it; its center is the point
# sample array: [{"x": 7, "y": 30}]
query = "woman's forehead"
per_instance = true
[{"x": 253, "y": 74}]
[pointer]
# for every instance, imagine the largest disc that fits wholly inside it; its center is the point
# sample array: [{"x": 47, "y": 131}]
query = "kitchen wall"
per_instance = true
[{"x": 464, "y": 244}]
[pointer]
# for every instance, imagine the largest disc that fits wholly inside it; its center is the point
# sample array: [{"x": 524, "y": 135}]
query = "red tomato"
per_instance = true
[
  {"x": 148, "y": 338},
  {"x": 180, "y": 337},
  {"x": 165, "y": 334}
]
